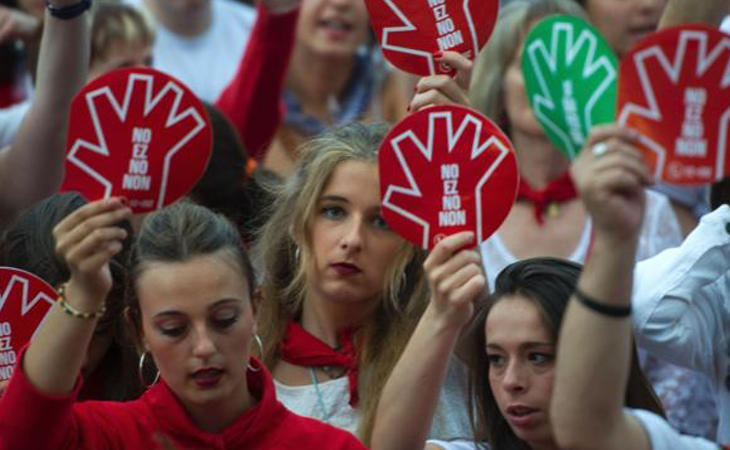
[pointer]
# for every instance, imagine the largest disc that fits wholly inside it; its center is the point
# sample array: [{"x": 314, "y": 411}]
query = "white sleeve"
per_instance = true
[
  {"x": 10, "y": 119},
  {"x": 663, "y": 437},
  {"x": 458, "y": 445},
  {"x": 678, "y": 298},
  {"x": 661, "y": 229}
]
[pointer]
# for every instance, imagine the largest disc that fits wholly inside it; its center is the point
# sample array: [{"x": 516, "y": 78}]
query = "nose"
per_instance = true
[
  {"x": 515, "y": 378},
  {"x": 203, "y": 345},
  {"x": 352, "y": 238},
  {"x": 654, "y": 6}
]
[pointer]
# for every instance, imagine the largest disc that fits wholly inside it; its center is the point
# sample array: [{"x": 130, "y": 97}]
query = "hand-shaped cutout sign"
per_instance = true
[
  {"x": 443, "y": 170},
  {"x": 24, "y": 301},
  {"x": 674, "y": 89},
  {"x": 411, "y": 31},
  {"x": 570, "y": 76},
  {"x": 136, "y": 133}
]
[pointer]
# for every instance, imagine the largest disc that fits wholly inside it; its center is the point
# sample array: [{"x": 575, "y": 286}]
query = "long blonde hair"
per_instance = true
[
  {"x": 486, "y": 92},
  {"x": 284, "y": 247}
]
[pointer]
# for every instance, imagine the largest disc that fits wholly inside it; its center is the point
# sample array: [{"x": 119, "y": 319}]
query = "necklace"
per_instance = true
[{"x": 320, "y": 401}]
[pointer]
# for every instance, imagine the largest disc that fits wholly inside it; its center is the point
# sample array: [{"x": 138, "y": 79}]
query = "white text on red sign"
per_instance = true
[
  {"x": 449, "y": 36},
  {"x": 691, "y": 142},
  {"x": 7, "y": 354},
  {"x": 136, "y": 179},
  {"x": 451, "y": 213}
]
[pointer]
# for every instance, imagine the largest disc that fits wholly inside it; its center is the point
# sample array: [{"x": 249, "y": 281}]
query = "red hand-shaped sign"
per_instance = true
[
  {"x": 410, "y": 32},
  {"x": 137, "y": 133},
  {"x": 24, "y": 301},
  {"x": 674, "y": 89},
  {"x": 443, "y": 170}
]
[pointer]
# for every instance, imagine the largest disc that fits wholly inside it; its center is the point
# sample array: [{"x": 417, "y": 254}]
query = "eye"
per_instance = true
[
  {"x": 540, "y": 358},
  {"x": 332, "y": 212},
  {"x": 495, "y": 359},
  {"x": 380, "y": 223},
  {"x": 172, "y": 330},
  {"x": 224, "y": 322}
]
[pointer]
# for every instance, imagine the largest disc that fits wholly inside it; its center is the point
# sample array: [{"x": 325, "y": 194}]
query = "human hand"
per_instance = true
[
  {"x": 443, "y": 89},
  {"x": 455, "y": 278},
  {"x": 15, "y": 24},
  {"x": 86, "y": 240},
  {"x": 610, "y": 175}
]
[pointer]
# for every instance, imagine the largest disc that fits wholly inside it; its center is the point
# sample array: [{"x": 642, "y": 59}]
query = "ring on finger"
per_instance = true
[{"x": 599, "y": 149}]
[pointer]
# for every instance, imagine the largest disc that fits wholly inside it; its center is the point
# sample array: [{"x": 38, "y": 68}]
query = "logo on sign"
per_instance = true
[
  {"x": 17, "y": 287},
  {"x": 682, "y": 116},
  {"x": 137, "y": 176},
  {"x": 574, "y": 80},
  {"x": 414, "y": 154}
]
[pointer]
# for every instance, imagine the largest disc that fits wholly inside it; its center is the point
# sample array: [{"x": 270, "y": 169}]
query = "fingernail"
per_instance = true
[
  {"x": 408, "y": 109},
  {"x": 438, "y": 55},
  {"x": 415, "y": 89},
  {"x": 124, "y": 201}
]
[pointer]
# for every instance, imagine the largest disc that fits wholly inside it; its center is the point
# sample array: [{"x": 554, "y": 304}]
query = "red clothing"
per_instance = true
[
  {"x": 252, "y": 101},
  {"x": 31, "y": 420}
]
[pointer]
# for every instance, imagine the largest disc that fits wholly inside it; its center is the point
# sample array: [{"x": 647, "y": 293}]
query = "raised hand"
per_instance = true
[
  {"x": 86, "y": 240},
  {"x": 443, "y": 89},
  {"x": 610, "y": 175},
  {"x": 15, "y": 24},
  {"x": 455, "y": 277}
]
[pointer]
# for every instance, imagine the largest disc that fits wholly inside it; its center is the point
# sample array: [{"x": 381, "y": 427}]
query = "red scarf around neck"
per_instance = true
[
  {"x": 301, "y": 348},
  {"x": 559, "y": 190}
]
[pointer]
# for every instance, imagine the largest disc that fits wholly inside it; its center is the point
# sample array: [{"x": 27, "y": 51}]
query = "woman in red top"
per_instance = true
[{"x": 191, "y": 309}]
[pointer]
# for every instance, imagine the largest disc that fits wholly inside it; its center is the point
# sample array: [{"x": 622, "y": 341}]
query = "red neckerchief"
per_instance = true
[
  {"x": 300, "y": 348},
  {"x": 559, "y": 190}
]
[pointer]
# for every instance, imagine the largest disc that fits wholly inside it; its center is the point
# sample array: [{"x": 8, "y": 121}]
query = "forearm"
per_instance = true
[
  {"x": 32, "y": 168},
  {"x": 594, "y": 351},
  {"x": 252, "y": 100},
  {"x": 409, "y": 399},
  {"x": 710, "y": 12},
  {"x": 56, "y": 354}
]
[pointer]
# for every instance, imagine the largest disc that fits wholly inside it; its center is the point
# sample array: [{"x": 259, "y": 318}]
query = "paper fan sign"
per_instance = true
[
  {"x": 136, "y": 133},
  {"x": 570, "y": 76},
  {"x": 410, "y": 32},
  {"x": 24, "y": 301},
  {"x": 674, "y": 89},
  {"x": 444, "y": 170}
]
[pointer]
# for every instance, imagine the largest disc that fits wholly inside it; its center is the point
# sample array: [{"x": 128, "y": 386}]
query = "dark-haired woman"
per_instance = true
[{"x": 192, "y": 314}]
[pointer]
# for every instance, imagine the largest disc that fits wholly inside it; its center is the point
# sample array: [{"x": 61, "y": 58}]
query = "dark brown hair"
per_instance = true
[{"x": 549, "y": 283}]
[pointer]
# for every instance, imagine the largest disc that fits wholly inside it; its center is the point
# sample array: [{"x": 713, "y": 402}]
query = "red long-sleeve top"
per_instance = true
[
  {"x": 31, "y": 420},
  {"x": 252, "y": 101}
]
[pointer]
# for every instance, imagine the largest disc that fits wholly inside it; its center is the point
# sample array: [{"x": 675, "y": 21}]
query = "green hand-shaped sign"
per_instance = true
[{"x": 570, "y": 75}]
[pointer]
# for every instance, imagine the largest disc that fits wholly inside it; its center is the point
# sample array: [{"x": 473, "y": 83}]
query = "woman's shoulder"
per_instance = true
[{"x": 663, "y": 437}]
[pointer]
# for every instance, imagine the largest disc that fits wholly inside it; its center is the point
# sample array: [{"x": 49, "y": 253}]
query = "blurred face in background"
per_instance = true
[
  {"x": 624, "y": 22},
  {"x": 333, "y": 28}
]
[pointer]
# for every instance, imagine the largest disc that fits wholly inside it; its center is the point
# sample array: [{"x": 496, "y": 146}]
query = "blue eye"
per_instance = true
[
  {"x": 332, "y": 212},
  {"x": 540, "y": 358},
  {"x": 380, "y": 223},
  {"x": 494, "y": 359}
]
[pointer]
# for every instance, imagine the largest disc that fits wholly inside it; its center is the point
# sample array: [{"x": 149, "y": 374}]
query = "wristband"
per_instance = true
[
  {"x": 73, "y": 312},
  {"x": 601, "y": 307},
  {"x": 68, "y": 12}
]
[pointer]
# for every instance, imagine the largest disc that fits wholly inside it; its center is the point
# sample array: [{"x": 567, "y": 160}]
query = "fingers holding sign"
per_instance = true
[
  {"x": 443, "y": 89},
  {"x": 87, "y": 239},
  {"x": 455, "y": 277},
  {"x": 610, "y": 175}
]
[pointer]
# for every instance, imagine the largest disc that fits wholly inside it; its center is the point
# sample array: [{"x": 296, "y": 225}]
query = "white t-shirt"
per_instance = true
[
  {"x": 450, "y": 420},
  {"x": 10, "y": 119},
  {"x": 205, "y": 63},
  {"x": 661, "y": 436},
  {"x": 660, "y": 231},
  {"x": 681, "y": 307}
]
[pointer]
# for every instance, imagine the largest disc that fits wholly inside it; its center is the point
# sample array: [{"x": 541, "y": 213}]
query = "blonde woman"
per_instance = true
[{"x": 341, "y": 292}]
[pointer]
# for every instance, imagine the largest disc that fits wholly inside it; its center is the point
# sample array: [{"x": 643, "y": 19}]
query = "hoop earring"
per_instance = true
[
  {"x": 297, "y": 254},
  {"x": 260, "y": 344},
  {"x": 140, "y": 372}
]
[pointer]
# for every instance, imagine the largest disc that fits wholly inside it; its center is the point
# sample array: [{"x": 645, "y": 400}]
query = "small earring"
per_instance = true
[
  {"x": 260, "y": 344},
  {"x": 297, "y": 254},
  {"x": 140, "y": 372}
]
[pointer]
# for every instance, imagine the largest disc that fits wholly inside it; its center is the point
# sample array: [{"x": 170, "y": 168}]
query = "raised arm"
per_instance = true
[
  {"x": 252, "y": 99},
  {"x": 410, "y": 396},
  {"x": 710, "y": 12},
  {"x": 32, "y": 167},
  {"x": 86, "y": 240},
  {"x": 594, "y": 348}
]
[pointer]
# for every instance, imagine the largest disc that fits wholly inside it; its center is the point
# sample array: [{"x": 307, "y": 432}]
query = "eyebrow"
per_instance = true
[
  {"x": 334, "y": 198},
  {"x": 173, "y": 313},
  {"x": 524, "y": 345}
]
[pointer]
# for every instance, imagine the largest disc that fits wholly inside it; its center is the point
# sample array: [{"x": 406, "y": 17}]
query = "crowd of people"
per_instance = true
[{"x": 274, "y": 307}]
